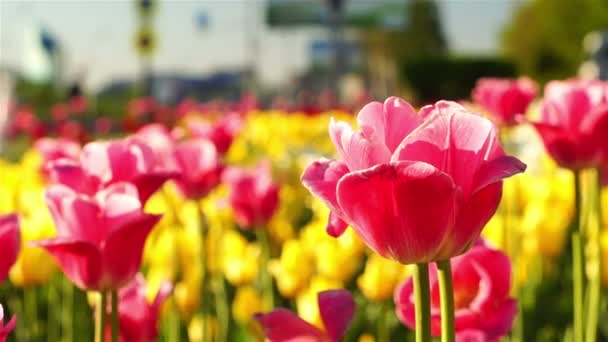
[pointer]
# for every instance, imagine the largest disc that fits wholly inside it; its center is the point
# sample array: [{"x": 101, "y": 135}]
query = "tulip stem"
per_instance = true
[
  {"x": 67, "y": 330},
  {"x": 578, "y": 276},
  {"x": 265, "y": 278},
  {"x": 446, "y": 291},
  {"x": 100, "y": 317},
  {"x": 422, "y": 298},
  {"x": 203, "y": 227},
  {"x": 221, "y": 308},
  {"x": 595, "y": 262},
  {"x": 115, "y": 321}
]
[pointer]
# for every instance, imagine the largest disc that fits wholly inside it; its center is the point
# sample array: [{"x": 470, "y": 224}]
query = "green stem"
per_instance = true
[
  {"x": 203, "y": 229},
  {"x": 100, "y": 317},
  {"x": 115, "y": 320},
  {"x": 174, "y": 323},
  {"x": 595, "y": 283},
  {"x": 578, "y": 277},
  {"x": 422, "y": 297},
  {"x": 383, "y": 322},
  {"x": 53, "y": 321},
  {"x": 67, "y": 330},
  {"x": 265, "y": 277},
  {"x": 446, "y": 291},
  {"x": 31, "y": 312},
  {"x": 221, "y": 308}
]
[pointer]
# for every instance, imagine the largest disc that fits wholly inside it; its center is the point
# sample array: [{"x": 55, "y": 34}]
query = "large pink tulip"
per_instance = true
[
  {"x": 574, "y": 122},
  {"x": 337, "y": 309},
  {"x": 6, "y": 329},
  {"x": 483, "y": 309},
  {"x": 253, "y": 196},
  {"x": 199, "y": 167},
  {"x": 10, "y": 243},
  {"x": 416, "y": 187},
  {"x": 138, "y": 318},
  {"x": 100, "y": 238},
  {"x": 105, "y": 163},
  {"x": 504, "y": 98}
]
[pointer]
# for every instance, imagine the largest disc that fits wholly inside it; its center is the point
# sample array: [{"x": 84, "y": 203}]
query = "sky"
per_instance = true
[{"x": 97, "y": 36}]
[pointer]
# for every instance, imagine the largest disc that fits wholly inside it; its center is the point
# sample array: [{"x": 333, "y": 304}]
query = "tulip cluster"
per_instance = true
[{"x": 201, "y": 225}]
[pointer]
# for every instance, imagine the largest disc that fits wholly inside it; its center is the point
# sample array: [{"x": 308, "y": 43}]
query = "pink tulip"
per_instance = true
[
  {"x": 221, "y": 133},
  {"x": 504, "y": 98},
  {"x": 161, "y": 141},
  {"x": 253, "y": 196},
  {"x": 10, "y": 243},
  {"x": 100, "y": 238},
  {"x": 574, "y": 122},
  {"x": 199, "y": 167},
  {"x": 138, "y": 319},
  {"x": 336, "y": 307},
  {"x": 416, "y": 187},
  {"x": 104, "y": 163},
  {"x": 54, "y": 149},
  {"x": 6, "y": 329},
  {"x": 483, "y": 309}
]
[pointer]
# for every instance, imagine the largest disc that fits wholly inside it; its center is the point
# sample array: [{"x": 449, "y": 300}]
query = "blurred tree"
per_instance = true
[
  {"x": 544, "y": 39},
  {"x": 424, "y": 33}
]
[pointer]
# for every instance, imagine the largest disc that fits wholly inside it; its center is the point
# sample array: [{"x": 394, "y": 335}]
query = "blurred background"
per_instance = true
[{"x": 293, "y": 53}]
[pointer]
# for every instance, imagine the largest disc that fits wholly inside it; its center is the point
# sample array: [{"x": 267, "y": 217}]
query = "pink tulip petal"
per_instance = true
[
  {"x": 499, "y": 323},
  {"x": 388, "y": 124},
  {"x": 401, "y": 210},
  {"x": 560, "y": 145},
  {"x": 321, "y": 179},
  {"x": 471, "y": 335},
  {"x": 70, "y": 173},
  {"x": 404, "y": 303},
  {"x": 471, "y": 219},
  {"x": 494, "y": 269},
  {"x": 79, "y": 260},
  {"x": 124, "y": 247},
  {"x": 337, "y": 310},
  {"x": 282, "y": 325},
  {"x": 164, "y": 291},
  {"x": 357, "y": 151},
  {"x": 10, "y": 242},
  {"x": 454, "y": 141},
  {"x": 495, "y": 170},
  {"x": 8, "y": 328},
  {"x": 95, "y": 160},
  {"x": 335, "y": 225}
]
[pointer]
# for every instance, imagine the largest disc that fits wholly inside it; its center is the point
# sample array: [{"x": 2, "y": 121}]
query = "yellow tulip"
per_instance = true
[
  {"x": 247, "y": 302},
  {"x": 380, "y": 278},
  {"x": 307, "y": 302},
  {"x": 239, "y": 258},
  {"x": 293, "y": 269}
]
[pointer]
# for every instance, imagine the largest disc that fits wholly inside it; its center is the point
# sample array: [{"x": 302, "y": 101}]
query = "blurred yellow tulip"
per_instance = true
[
  {"x": 247, "y": 302},
  {"x": 381, "y": 277}
]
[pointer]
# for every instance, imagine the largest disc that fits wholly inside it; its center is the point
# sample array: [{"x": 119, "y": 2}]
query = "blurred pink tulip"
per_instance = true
[
  {"x": 199, "y": 167},
  {"x": 54, "y": 149},
  {"x": 504, "y": 98},
  {"x": 100, "y": 238},
  {"x": 10, "y": 243},
  {"x": 337, "y": 309},
  {"x": 161, "y": 141},
  {"x": 104, "y": 163},
  {"x": 574, "y": 122},
  {"x": 139, "y": 319},
  {"x": 483, "y": 309},
  {"x": 6, "y": 329},
  {"x": 221, "y": 133},
  {"x": 416, "y": 187},
  {"x": 254, "y": 196}
]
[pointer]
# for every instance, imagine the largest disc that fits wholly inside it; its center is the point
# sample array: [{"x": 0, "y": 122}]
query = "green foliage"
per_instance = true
[
  {"x": 451, "y": 78},
  {"x": 41, "y": 96},
  {"x": 545, "y": 37}
]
